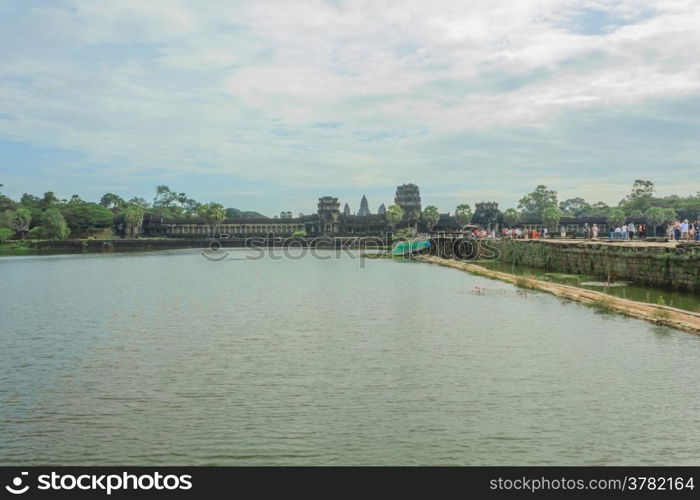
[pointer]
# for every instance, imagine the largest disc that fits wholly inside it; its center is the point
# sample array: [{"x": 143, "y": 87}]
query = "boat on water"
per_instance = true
[{"x": 407, "y": 248}]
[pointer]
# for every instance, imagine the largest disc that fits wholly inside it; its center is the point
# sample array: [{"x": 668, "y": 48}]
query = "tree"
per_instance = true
[
  {"x": 642, "y": 189},
  {"x": 7, "y": 219},
  {"x": 22, "y": 220},
  {"x": 48, "y": 201},
  {"x": 670, "y": 215},
  {"x": 655, "y": 217},
  {"x": 616, "y": 217},
  {"x": 140, "y": 202},
  {"x": 214, "y": 214},
  {"x": 113, "y": 202},
  {"x": 53, "y": 225},
  {"x": 532, "y": 204},
  {"x": 6, "y": 203},
  {"x": 463, "y": 214},
  {"x": 299, "y": 234},
  {"x": 5, "y": 234},
  {"x": 551, "y": 217},
  {"x": 575, "y": 207},
  {"x": 133, "y": 215},
  {"x": 430, "y": 216},
  {"x": 82, "y": 216},
  {"x": 640, "y": 197},
  {"x": 164, "y": 197},
  {"x": 394, "y": 215},
  {"x": 599, "y": 209},
  {"x": 510, "y": 216}
]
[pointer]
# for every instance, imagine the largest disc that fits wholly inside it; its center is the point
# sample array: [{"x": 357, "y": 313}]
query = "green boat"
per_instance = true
[{"x": 410, "y": 247}]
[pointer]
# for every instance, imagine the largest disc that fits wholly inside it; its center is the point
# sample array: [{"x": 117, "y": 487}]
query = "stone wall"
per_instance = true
[{"x": 654, "y": 265}]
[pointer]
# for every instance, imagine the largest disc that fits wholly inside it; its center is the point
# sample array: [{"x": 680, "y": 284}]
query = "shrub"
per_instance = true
[{"x": 5, "y": 234}]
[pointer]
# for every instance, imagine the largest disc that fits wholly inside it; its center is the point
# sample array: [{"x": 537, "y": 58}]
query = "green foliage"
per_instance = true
[
  {"x": 234, "y": 213},
  {"x": 53, "y": 225},
  {"x": 299, "y": 234},
  {"x": 214, "y": 214},
  {"x": 22, "y": 220},
  {"x": 661, "y": 316},
  {"x": 551, "y": 217},
  {"x": 575, "y": 207},
  {"x": 82, "y": 216},
  {"x": 430, "y": 216},
  {"x": 463, "y": 214},
  {"x": 670, "y": 215},
  {"x": 113, "y": 202},
  {"x": 616, "y": 217},
  {"x": 655, "y": 217},
  {"x": 6, "y": 203},
  {"x": 510, "y": 216},
  {"x": 394, "y": 215},
  {"x": 640, "y": 198},
  {"x": 7, "y": 219},
  {"x": 133, "y": 215},
  {"x": 532, "y": 204},
  {"x": 5, "y": 234},
  {"x": 599, "y": 209}
]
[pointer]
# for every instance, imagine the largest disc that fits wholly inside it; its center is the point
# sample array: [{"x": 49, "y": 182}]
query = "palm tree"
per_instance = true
[
  {"x": 394, "y": 215},
  {"x": 23, "y": 217},
  {"x": 133, "y": 215},
  {"x": 214, "y": 214},
  {"x": 431, "y": 216},
  {"x": 463, "y": 214}
]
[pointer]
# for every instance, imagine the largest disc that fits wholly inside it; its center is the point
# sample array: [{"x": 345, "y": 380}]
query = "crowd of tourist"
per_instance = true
[
  {"x": 677, "y": 230},
  {"x": 684, "y": 230}
]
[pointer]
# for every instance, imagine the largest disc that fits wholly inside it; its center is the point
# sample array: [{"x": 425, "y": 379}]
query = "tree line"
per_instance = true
[
  {"x": 543, "y": 204},
  {"x": 48, "y": 217}
]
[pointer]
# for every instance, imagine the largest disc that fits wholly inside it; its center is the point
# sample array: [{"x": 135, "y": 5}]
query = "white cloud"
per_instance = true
[{"x": 187, "y": 86}]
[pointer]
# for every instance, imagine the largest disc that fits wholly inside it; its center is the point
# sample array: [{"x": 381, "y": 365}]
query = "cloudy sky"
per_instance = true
[{"x": 267, "y": 105}]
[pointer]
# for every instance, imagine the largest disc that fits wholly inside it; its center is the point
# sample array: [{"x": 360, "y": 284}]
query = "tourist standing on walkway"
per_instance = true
[
  {"x": 677, "y": 230},
  {"x": 624, "y": 232},
  {"x": 586, "y": 231},
  {"x": 595, "y": 230},
  {"x": 562, "y": 232},
  {"x": 618, "y": 233},
  {"x": 684, "y": 230},
  {"x": 631, "y": 230}
]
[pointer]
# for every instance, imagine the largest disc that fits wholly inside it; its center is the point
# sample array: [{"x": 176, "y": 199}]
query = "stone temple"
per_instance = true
[{"x": 328, "y": 220}]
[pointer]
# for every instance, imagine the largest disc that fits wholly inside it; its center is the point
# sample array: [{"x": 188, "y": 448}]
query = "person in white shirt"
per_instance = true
[
  {"x": 631, "y": 230},
  {"x": 624, "y": 232}
]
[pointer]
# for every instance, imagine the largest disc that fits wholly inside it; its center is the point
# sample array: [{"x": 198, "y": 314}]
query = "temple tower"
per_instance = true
[{"x": 364, "y": 207}]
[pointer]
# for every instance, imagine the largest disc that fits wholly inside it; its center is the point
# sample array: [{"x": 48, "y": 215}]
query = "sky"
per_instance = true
[{"x": 267, "y": 105}]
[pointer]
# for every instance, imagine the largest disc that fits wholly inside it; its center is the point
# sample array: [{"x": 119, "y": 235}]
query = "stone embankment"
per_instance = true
[
  {"x": 674, "y": 265},
  {"x": 662, "y": 315}
]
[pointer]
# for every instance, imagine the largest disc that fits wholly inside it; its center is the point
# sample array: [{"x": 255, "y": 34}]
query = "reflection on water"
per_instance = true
[
  {"x": 167, "y": 358},
  {"x": 625, "y": 290}
]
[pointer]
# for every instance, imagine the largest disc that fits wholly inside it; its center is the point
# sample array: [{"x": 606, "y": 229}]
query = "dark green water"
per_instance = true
[
  {"x": 168, "y": 358},
  {"x": 681, "y": 300}
]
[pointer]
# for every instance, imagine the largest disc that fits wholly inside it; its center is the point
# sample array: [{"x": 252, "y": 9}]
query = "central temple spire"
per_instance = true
[{"x": 364, "y": 207}]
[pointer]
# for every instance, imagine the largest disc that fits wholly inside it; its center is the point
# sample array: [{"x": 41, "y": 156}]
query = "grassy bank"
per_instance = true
[{"x": 655, "y": 313}]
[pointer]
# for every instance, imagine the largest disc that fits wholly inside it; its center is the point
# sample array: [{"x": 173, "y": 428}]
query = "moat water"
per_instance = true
[{"x": 169, "y": 358}]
